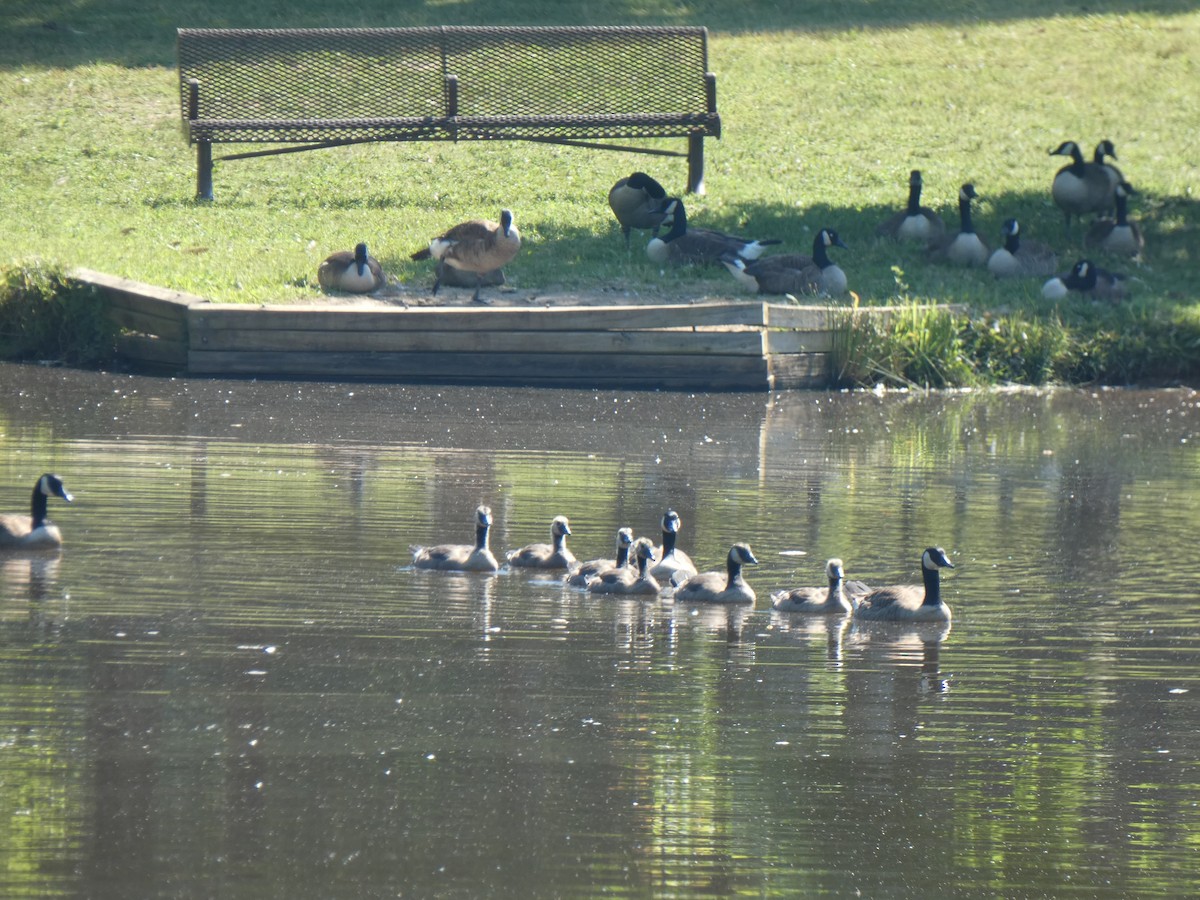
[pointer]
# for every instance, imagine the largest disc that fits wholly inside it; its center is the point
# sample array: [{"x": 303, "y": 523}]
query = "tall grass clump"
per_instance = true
[{"x": 45, "y": 315}]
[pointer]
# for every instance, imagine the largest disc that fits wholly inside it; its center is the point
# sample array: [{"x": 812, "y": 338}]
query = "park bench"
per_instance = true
[{"x": 312, "y": 88}]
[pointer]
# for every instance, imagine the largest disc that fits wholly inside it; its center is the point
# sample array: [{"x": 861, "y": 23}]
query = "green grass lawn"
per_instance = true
[{"x": 825, "y": 108}]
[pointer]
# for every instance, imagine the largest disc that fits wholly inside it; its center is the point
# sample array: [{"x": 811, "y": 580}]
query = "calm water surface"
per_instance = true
[{"x": 231, "y": 684}]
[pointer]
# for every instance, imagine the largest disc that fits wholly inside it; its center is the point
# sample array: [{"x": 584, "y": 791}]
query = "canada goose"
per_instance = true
[
  {"x": 554, "y": 555},
  {"x": 831, "y": 600},
  {"x": 699, "y": 246},
  {"x": 671, "y": 559},
  {"x": 795, "y": 273},
  {"x": 1088, "y": 279},
  {"x": 586, "y": 571},
  {"x": 34, "y": 531},
  {"x": 916, "y": 222},
  {"x": 910, "y": 602},
  {"x": 1080, "y": 187},
  {"x": 965, "y": 247},
  {"x": 638, "y": 202},
  {"x": 354, "y": 272},
  {"x": 1117, "y": 235},
  {"x": 478, "y": 246},
  {"x": 1019, "y": 258},
  {"x": 717, "y": 587},
  {"x": 475, "y": 557},
  {"x": 1103, "y": 149},
  {"x": 629, "y": 580}
]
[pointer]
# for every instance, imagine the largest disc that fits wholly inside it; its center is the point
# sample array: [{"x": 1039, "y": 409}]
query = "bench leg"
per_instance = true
[
  {"x": 204, "y": 187},
  {"x": 695, "y": 164}
]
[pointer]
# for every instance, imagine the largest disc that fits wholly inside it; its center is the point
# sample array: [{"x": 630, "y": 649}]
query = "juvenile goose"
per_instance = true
[
  {"x": 1088, "y": 279},
  {"x": 1080, "y": 187},
  {"x": 795, "y": 273},
  {"x": 586, "y": 571},
  {"x": 910, "y": 602},
  {"x": 554, "y": 555},
  {"x": 638, "y": 202},
  {"x": 965, "y": 248},
  {"x": 671, "y": 559},
  {"x": 1018, "y": 258},
  {"x": 717, "y": 587},
  {"x": 915, "y": 222},
  {"x": 34, "y": 531},
  {"x": 475, "y": 557},
  {"x": 629, "y": 580},
  {"x": 353, "y": 272},
  {"x": 682, "y": 245},
  {"x": 1117, "y": 235},
  {"x": 477, "y": 246},
  {"x": 822, "y": 601}
]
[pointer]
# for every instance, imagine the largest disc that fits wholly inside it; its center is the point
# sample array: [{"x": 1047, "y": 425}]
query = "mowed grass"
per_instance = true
[{"x": 821, "y": 129}]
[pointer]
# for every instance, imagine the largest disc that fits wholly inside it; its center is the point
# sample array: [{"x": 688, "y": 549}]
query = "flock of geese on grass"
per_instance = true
[
  {"x": 473, "y": 253},
  {"x": 639, "y": 567}
]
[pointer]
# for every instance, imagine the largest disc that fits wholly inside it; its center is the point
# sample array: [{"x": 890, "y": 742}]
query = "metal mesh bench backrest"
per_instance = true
[
  {"x": 320, "y": 73},
  {"x": 336, "y": 73},
  {"x": 577, "y": 71}
]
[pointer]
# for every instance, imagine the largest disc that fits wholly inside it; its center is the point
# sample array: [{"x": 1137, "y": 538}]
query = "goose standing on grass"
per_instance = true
[
  {"x": 721, "y": 587},
  {"x": 1080, "y": 187},
  {"x": 586, "y": 571},
  {"x": 795, "y": 273},
  {"x": 1118, "y": 235},
  {"x": 478, "y": 246},
  {"x": 1018, "y": 258},
  {"x": 910, "y": 602},
  {"x": 827, "y": 601},
  {"x": 34, "y": 531},
  {"x": 965, "y": 248},
  {"x": 916, "y": 222},
  {"x": 475, "y": 557},
  {"x": 682, "y": 245},
  {"x": 352, "y": 272},
  {"x": 554, "y": 555},
  {"x": 1088, "y": 279},
  {"x": 634, "y": 578},
  {"x": 672, "y": 560},
  {"x": 638, "y": 202}
]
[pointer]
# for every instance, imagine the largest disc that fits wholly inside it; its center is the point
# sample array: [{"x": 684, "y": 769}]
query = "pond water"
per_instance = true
[{"x": 231, "y": 682}]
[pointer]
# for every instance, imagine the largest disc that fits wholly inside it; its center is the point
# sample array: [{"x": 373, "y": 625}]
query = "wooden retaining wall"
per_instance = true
[{"x": 736, "y": 345}]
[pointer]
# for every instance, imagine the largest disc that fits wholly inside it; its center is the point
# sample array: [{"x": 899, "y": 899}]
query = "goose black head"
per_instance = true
[{"x": 936, "y": 558}]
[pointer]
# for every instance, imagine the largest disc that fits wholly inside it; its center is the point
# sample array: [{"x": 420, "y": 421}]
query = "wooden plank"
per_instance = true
[
  {"x": 153, "y": 351},
  {"x": 173, "y": 328},
  {"x": 443, "y": 318},
  {"x": 802, "y": 318},
  {"x": 782, "y": 342},
  {"x": 137, "y": 296},
  {"x": 635, "y": 371},
  {"x": 720, "y": 343},
  {"x": 799, "y": 371}
]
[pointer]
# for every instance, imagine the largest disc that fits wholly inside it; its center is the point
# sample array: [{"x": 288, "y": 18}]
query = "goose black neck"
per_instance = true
[
  {"x": 964, "y": 213},
  {"x": 1122, "y": 208},
  {"x": 560, "y": 541},
  {"x": 678, "y": 225},
  {"x": 622, "y": 556},
  {"x": 914, "y": 199},
  {"x": 734, "y": 569},
  {"x": 1077, "y": 163},
  {"x": 481, "y": 537},
  {"x": 820, "y": 254},
  {"x": 933, "y": 586},
  {"x": 668, "y": 543},
  {"x": 643, "y": 564},
  {"x": 1012, "y": 243},
  {"x": 37, "y": 508}
]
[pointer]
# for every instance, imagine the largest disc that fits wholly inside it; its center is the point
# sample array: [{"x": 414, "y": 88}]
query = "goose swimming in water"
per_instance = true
[
  {"x": 910, "y": 602},
  {"x": 34, "y": 531},
  {"x": 721, "y": 587},
  {"x": 475, "y": 557}
]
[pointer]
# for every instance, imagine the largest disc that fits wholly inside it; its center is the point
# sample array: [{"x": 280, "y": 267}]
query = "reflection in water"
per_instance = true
[{"x": 232, "y": 674}]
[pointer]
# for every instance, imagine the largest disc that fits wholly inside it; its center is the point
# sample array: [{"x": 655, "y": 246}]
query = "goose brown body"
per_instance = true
[
  {"x": 584, "y": 572},
  {"x": 478, "y": 246},
  {"x": 827, "y": 601},
  {"x": 351, "y": 271},
  {"x": 795, "y": 273},
  {"x": 721, "y": 587},
  {"x": 909, "y": 602},
  {"x": 915, "y": 222},
  {"x": 632, "y": 579},
  {"x": 684, "y": 245},
  {"x": 554, "y": 555},
  {"x": 638, "y": 201},
  {"x": 1018, "y": 257}
]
